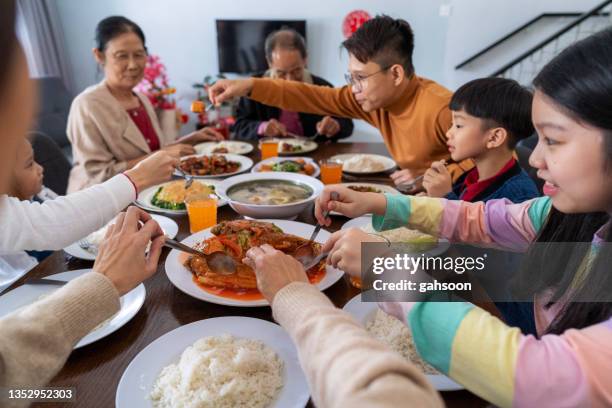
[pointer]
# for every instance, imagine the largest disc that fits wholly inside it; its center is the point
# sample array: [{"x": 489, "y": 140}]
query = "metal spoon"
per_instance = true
[{"x": 218, "y": 262}]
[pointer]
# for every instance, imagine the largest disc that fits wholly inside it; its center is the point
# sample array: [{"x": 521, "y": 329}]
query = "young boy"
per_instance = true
[
  {"x": 27, "y": 180},
  {"x": 490, "y": 115},
  {"x": 27, "y": 184}
]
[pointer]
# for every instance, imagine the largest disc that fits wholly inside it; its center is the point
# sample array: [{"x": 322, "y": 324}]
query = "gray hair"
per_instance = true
[{"x": 286, "y": 39}]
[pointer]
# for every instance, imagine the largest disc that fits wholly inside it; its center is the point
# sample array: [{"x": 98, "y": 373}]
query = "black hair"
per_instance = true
[
  {"x": 579, "y": 81},
  {"x": 286, "y": 39},
  {"x": 112, "y": 27},
  {"x": 499, "y": 102},
  {"x": 8, "y": 39},
  {"x": 385, "y": 41}
]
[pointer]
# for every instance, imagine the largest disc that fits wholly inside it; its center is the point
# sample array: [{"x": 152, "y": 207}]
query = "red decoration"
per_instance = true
[{"x": 353, "y": 21}]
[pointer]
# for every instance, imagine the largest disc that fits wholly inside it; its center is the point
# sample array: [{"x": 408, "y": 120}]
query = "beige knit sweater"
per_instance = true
[
  {"x": 345, "y": 366},
  {"x": 36, "y": 341}
]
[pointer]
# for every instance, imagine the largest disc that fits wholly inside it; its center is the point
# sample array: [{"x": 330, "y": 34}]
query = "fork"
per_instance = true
[
  {"x": 334, "y": 196},
  {"x": 188, "y": 178},
  {"x": 314, "y": 261}
]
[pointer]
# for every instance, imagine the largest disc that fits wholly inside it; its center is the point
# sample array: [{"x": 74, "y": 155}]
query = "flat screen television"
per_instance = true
[{"x": 240, "y": 43}]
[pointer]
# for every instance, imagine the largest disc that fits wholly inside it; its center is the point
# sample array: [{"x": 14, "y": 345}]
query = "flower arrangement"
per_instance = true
[{"x": 155, "y": 84}]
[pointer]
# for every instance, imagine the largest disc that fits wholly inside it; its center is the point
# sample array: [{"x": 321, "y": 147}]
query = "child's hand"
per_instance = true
[
  {"x": 349, "y": 202},
  {"x": 437, "y": 181},
  {"x": 344, "y": 248}
]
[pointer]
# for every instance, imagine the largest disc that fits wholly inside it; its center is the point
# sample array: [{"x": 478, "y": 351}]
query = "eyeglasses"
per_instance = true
[{"x": 359, "y": 81}]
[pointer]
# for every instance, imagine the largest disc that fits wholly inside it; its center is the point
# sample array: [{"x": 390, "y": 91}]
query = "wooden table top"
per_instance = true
[{"x": 95, "y": 370}]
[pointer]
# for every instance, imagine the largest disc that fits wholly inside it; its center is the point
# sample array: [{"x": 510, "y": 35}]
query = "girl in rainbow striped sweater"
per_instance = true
[{"x": 569, "y": 363}]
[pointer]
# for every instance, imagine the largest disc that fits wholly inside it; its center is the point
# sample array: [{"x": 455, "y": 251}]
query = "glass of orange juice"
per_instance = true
[
  {"x": 331, "y": 171},
  {"x": 202, "y": 211},
  {"x": 269, "y": 148}
]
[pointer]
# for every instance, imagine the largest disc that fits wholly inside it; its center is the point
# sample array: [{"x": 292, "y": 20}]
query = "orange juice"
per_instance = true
[
  {"x": 331, "y": 172},
  {"x": 202, "y": 211},
  {"x": 269, "y": 149}
]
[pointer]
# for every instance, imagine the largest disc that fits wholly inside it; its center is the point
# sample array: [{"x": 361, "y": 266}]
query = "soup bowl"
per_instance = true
[{"x": 238, "y": 190}]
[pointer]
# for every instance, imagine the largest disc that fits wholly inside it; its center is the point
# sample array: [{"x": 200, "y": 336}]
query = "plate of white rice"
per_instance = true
[
  {"x": 358, "y": 163},
  {"x": 402, "y": 235},
  {"x": 397, "y": 335},
  {"x": 219, "y": 362}
]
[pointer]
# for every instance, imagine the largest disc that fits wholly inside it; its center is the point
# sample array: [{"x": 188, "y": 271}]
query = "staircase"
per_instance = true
[{"x": 559, "y": 29}]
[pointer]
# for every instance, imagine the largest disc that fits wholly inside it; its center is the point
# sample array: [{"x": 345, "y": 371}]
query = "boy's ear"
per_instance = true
[{"x": 497, "y": 137}]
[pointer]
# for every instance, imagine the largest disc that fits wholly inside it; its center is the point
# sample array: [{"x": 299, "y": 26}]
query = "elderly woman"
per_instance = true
[
  {"x": 36, "y": 340},
  {"x": 112, "y": 127}
]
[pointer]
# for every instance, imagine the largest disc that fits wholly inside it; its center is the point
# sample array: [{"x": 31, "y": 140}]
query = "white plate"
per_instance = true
[
  {"x": 233, "y": 147},
  {"x": 307, "y": 145},
  {"x": 386, "y": 161},
  {"x": 245, "y": 164},
  {"x": 365, "y": 311},
  {"x": 169, "y": 226},
  {"x": 139, "y": 377},
  {"x": 26, "y": 294},
  {"x": 181, "y": 277},
  {"x": 316, "y": 173},
  {"x": 443, "y": 243},
  {"x": 145, "y": 197}
]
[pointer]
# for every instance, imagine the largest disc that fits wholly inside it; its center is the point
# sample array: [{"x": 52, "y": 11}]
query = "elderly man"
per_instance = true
[{"x": 286, "y": 56}]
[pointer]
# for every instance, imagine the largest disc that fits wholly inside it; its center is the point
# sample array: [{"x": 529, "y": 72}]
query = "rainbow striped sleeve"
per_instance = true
[
  {"x": 498, "y": 223},
  {"x": 507, "y": 368}
]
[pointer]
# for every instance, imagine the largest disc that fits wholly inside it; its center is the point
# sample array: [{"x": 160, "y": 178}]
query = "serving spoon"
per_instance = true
[{"x": 218, "y": 262}]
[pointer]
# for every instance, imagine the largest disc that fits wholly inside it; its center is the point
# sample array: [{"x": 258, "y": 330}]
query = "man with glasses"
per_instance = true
[
  {"x": 411, "y": 112},
  {"x": 286, "y": 55}
]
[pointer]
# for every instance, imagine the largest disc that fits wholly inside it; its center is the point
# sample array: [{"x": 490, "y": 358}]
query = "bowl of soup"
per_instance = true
[{"x": 270, "y": 195}]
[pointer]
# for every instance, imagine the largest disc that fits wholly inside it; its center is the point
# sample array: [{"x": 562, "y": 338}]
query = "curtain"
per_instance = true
[{"x": 40, "y": 32}]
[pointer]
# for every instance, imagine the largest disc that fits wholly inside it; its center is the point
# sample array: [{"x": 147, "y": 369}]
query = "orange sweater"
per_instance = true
[{"x": 413, "y": 128}]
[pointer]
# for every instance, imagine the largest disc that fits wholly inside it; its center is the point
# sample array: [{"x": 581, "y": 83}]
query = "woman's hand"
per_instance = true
[
  {"x": 225, "y": 89},
  {"x": 274, "y": 270},
  {"x": 179, "y": 149},
  {"x": 437, "y": 181},
  {"x": 154, "y": 169},
  {"x": 344, "y": 248},
  {"x": 121, "y": 256},
  {"x": 350, "y": 203},
  {"x": 205, "y": 134}
]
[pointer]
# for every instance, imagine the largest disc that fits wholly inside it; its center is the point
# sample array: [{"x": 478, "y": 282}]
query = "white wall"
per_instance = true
[
  {"x": 183, "y": 33},
  {"x": 474, "y": 24}
]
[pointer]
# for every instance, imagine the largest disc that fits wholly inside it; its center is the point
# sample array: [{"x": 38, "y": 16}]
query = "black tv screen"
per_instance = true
[{"x": 240, "y": 43}]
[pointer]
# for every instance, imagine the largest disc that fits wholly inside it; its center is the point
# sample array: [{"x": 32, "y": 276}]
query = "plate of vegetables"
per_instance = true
[
  {"x": 301, "y": 165},
  {"x": 169, "y": 198}
]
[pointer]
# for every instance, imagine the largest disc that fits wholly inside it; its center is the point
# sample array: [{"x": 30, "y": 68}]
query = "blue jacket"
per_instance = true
[{"x": 515, "y": 185}]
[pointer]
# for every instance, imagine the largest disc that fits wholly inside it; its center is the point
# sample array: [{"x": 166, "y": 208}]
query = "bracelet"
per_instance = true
[{"x": 133, "y": 184}]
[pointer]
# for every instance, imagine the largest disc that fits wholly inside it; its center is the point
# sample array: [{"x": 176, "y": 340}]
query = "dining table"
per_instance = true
[{"x": 94, "y": 371}]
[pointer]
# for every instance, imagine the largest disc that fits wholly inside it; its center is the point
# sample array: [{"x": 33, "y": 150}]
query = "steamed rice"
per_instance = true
[
  {"x": 221, "y": 371},
  {"x": 363, "y": 163},
  {"x": 402, "y": 234},
  {"x": 391, "y": 331}
]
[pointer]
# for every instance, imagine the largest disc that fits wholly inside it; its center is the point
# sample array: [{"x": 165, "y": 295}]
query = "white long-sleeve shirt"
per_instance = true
[{"x": 55, "y": 224}]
